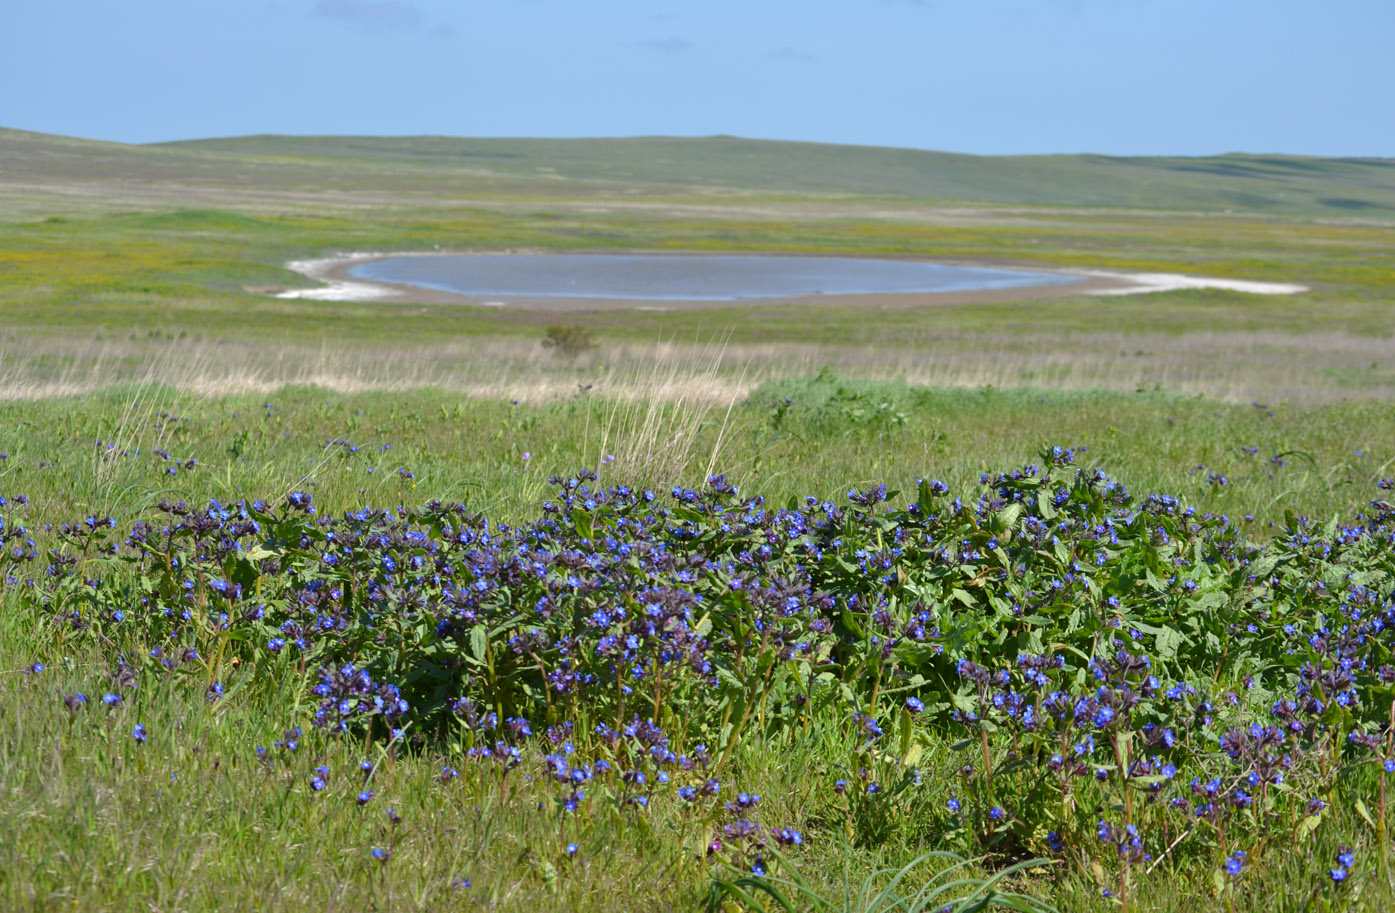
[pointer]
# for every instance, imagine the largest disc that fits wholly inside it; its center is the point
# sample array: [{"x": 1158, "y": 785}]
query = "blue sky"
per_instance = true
[{"x": 984, "y": 76}]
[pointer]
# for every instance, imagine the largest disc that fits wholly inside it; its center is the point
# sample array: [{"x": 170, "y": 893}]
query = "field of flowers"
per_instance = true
[
  {"x": 1041, "y": 688},
  {"x": 313, "y": 606}
]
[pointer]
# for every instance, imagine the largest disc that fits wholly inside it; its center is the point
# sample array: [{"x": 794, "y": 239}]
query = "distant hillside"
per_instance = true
[
  {"x": 1239, "y": 182},
  {"x": 1250, "y": 182}
]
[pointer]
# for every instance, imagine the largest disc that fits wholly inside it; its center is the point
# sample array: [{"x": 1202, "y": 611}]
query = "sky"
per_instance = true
[{"x": 1123, "y": 77}]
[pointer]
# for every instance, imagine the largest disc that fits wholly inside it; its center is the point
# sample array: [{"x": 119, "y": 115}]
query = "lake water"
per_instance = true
[{"x": 680, "y": 277}]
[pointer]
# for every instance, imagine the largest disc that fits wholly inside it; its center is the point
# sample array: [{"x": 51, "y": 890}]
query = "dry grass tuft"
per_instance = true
[{"x": 680, "y": 376}]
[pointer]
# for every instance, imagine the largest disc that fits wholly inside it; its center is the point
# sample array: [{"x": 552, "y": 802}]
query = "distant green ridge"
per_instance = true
[{"x": 1279, "y": 184}]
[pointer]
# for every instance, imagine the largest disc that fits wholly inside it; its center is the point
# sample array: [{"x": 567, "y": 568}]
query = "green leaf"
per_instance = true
[
  {"x": 1364, "y": 812},
  {"x": 925, "y": 498},
  {"x": 583, "y": 522},
  {"x": 1007, "y": 518},
  {"x": 728, "y": 677},
  {"x": 479, "y": 641}
]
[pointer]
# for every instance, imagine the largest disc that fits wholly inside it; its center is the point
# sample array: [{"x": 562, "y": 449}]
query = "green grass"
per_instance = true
[
  {"x": 1255, "y": 183},
  {"x": 186, "y": 242},
  {"x": 187, "y": 274},
  {"x": 140, "y": 275},
  {"x": 190, "y": 821},
  {"x": 835, "y": 433}
]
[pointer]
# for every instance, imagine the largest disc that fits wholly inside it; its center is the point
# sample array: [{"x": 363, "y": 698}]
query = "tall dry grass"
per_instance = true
[
  {"x": 652, "y": 424},
  {"x": 1235, "y": 367}
]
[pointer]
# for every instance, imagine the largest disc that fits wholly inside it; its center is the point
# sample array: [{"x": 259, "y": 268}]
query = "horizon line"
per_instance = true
[{"x": 703, "y": 136}]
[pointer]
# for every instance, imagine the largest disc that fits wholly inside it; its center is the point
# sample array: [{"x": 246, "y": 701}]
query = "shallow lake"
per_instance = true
[{"x": 685, "y": 277}]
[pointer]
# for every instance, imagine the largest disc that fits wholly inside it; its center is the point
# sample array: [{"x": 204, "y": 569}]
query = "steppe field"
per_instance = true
[{"x": 1064, "y": 602}]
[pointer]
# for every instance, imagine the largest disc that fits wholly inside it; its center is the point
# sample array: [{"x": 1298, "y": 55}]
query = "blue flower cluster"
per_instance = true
[{"x": 1098, "y": 650}]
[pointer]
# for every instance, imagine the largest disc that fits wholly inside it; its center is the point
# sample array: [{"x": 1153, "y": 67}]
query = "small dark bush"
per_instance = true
[{"x": 569, "y": 340}]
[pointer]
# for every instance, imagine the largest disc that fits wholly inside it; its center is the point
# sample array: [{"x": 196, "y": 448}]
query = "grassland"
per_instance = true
[
  {"x": 647, "y": 166},
  {"x": 1325, "y": 459},
  {"x": 107, "y": 253},
  {"x": 191, "y": 820},
  {"x": 142, "y": 358}
]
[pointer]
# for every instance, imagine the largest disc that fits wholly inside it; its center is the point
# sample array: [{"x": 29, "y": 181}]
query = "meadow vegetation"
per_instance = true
[
  {"x": 112, "y": 257},
  {"x": 1062, "y": 604}
]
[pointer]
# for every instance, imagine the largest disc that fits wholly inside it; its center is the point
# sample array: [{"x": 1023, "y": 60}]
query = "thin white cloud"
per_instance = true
[
  {"x": 794, "y": 54},
  {"x": 670, "y": 45},
  {"x": 381, "y": 17}
]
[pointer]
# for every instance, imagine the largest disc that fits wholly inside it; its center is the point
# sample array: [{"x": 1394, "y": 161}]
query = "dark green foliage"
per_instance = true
[
  {"x": 570, "y": 340},
  {"x": 1129, "y": 682}
]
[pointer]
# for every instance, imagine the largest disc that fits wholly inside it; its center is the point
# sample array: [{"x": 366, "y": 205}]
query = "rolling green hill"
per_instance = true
[
  {"x": 1235, "y": 182},
  {"x": 458, "y": 167}
]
